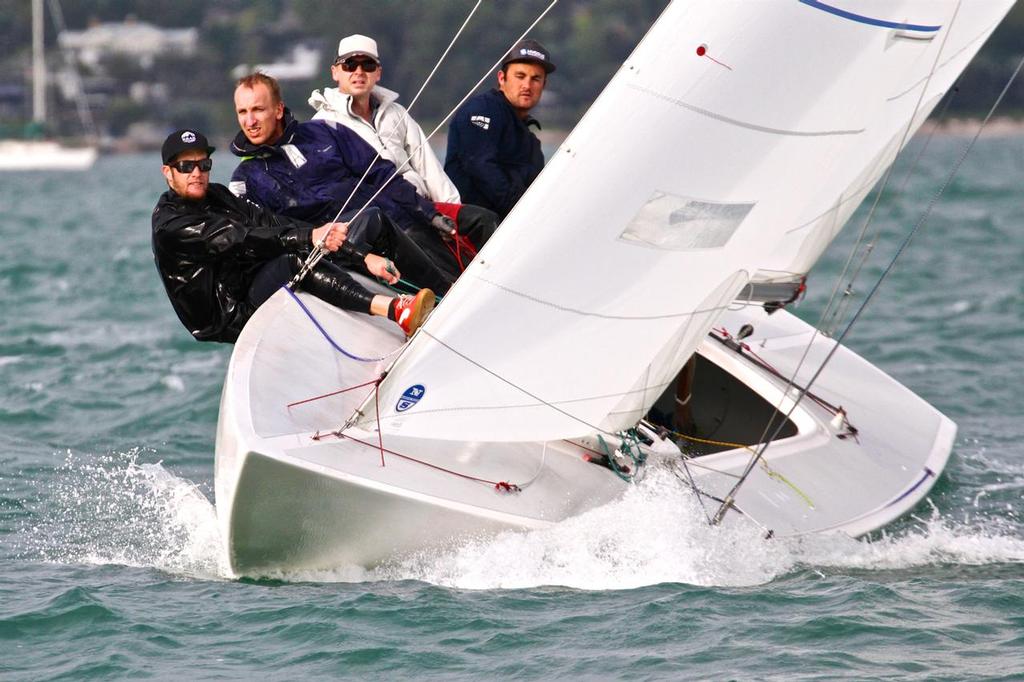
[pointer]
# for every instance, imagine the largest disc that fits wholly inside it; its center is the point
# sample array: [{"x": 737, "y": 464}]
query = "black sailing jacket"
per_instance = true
[{"x": 208, "y": 252}]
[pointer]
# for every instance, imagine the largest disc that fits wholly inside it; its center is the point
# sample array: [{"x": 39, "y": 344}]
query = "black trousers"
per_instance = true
[
  {"x": 474, "y": 222},
  {"x": 326, "y": 281},
  {"x": 374, "y": 232}
]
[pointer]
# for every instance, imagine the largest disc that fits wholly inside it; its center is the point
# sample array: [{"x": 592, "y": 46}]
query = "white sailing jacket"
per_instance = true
[{"x": 395, "y": 135}]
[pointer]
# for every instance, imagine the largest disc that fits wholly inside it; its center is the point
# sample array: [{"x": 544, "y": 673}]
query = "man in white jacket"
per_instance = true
[{"x": 373, "y": 113}]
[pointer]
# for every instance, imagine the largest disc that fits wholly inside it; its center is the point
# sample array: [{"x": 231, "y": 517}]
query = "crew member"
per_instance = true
[
  {"x": 312, "y": 170},
  {"x": 221, "y": 257},
  {"x": 493, "y": 156}
]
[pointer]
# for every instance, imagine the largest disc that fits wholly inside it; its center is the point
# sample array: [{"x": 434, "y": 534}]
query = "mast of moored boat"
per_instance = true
[{"x": 38, "y": 65}]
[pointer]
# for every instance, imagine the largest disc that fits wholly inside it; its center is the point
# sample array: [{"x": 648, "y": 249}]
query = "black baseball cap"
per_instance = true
[
  {"x": 529, "y": 50},
  {"x": 182, "y": 141}
]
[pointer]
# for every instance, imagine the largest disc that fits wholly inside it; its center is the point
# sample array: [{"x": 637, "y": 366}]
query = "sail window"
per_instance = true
[{"x": 676, "y": 223}]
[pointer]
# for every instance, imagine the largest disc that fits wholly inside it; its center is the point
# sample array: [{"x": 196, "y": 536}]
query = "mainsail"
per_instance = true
[{"x": 730, "y": 147}]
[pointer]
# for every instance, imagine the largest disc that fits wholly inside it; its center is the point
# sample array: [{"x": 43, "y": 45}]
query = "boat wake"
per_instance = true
[
  {"x": 658, "y": 533},
  {"x": 119, "y": 510}
]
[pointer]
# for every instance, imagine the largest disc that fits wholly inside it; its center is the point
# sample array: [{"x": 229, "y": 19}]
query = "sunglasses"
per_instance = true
[
  {"x": 186, "y": 167},
  {"x": 351, "y": 64}
]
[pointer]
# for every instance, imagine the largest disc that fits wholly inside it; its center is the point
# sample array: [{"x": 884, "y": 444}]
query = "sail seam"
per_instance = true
[
  {"x": 585, "y": 313},
  {"x": 743, "y": 124}
]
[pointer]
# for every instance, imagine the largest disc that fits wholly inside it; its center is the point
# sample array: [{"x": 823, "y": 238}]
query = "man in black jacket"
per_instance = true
[{"x": 221, "y": 257}]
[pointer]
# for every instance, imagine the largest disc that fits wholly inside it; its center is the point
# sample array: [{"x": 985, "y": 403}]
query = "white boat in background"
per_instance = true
[
  {"x": 19, "y": 155},
  {"x": 712, "y": 172},
  {"x": 42, "y": 154}
]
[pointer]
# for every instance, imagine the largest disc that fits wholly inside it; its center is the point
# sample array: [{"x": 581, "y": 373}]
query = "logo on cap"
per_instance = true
[
  {"x": 526, "y": 52},
  {"x": 188, "y": 137}
]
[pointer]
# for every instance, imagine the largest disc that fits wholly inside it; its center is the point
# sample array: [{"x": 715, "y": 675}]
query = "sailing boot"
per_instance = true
[{"x": 410, "y": 311}]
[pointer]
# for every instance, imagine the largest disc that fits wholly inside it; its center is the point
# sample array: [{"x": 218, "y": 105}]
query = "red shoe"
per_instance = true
[{"x": 411, "y": 311}]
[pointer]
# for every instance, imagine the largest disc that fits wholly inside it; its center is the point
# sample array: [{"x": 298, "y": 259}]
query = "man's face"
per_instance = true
[
  {"x": 359, "y": 81},
  {"x": 191, "y": 185},
  {"x": 259, "y": 117},
  {"x": 522, "y": 84}
]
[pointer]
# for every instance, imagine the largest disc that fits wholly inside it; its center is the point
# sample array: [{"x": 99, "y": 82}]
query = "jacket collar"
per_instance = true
[
  {"x": 336, "y": 101},
  {"x": 241, "y": 146},
  {"x": 527, "y": 122}
]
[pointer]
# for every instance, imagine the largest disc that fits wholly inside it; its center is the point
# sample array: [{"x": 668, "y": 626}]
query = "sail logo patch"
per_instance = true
[
  {"x": 412, "y": 395},
  {"x": 188, "y": 137}
]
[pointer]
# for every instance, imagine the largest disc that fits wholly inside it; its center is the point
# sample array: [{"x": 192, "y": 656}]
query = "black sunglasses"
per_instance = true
[
  {"x": 186, "y": 167},
  {"x": 351, "y": 64}
]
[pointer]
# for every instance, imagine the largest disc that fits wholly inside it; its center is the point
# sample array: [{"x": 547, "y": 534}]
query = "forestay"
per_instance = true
[{"x": 735, "y": 140}]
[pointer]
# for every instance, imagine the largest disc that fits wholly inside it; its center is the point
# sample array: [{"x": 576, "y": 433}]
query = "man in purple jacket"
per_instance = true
[{"x": 311, "y": 170}]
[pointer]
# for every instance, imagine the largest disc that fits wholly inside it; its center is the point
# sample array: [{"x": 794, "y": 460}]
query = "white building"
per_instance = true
[{"x": 132, "y": 38}]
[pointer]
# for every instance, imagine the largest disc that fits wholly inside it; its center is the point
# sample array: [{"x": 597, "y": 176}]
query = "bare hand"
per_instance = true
[
  {"x": 382, "y": 268},
  {"x": 333, "y": 235}
]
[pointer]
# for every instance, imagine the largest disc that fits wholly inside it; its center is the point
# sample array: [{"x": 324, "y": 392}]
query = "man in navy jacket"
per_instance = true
[
  {"x": 311, "y": 170},
  {"x": 493, "y": 156}
]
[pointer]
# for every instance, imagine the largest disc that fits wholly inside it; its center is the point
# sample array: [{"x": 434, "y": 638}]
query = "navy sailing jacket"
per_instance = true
[
  {"x": 492, "y": 154},
  {"x": 310, "y": 172}
]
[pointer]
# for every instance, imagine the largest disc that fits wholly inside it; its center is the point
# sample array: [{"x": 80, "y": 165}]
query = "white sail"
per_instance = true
[{"x": 735, "y": 140}]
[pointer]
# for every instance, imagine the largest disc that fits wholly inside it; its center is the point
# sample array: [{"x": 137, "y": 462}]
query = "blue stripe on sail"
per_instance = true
[{"x": 868, "y": 20}]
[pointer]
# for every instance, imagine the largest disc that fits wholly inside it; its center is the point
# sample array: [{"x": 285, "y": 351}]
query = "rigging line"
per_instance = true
[
  {"x": 693, "y": 486},
  {"x": 466, "y": 97},
  {"x": 881, "y": 189},
  {"x": 867, "y": 251},
  {"x": 81, "y": 103},
  {"x": 504, "y": 486},
  {"x": 953, "y": 90},
  {"x": 394, "y": 123},
  {"x": 318, "y": 252},
  {"x": 892, "y": 263},
  {"x": 594, "y": 428}
]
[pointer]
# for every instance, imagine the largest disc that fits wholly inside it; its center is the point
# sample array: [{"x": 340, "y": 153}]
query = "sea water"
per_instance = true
[{"x": 111, "y": 564}]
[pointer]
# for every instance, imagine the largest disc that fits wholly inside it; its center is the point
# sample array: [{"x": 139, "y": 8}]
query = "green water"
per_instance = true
[{"x": 110, "y": 560}]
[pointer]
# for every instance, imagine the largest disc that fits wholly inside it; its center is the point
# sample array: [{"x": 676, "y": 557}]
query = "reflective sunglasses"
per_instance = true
[
  {"x": 351, "y": 64},
  {"x": 186, "y": 167}
]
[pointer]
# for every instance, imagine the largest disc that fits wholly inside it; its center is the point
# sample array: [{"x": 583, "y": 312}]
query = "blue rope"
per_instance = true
[{"x": 323, "y": 331}]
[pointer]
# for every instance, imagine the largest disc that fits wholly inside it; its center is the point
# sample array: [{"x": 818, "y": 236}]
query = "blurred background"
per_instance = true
[{"x": 123, "y": 73}]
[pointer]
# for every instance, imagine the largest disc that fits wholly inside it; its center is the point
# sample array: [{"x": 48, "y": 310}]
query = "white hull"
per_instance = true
[
  {"x": 292, "y": 496},
  {"x": 17, "y": 155}
]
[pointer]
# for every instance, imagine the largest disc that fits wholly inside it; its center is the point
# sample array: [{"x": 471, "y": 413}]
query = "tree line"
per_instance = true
[{"x": 587, "y": 38}]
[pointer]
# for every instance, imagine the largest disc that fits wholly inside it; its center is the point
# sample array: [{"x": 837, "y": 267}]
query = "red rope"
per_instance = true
[
  {"x": 328, "y": 395},
  {"x": 501, "y": 486},
  {"x": 457, "y": 245}
]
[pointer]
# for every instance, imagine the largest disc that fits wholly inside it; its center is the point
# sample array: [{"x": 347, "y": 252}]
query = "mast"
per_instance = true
[{"x": 38, "y": 65}]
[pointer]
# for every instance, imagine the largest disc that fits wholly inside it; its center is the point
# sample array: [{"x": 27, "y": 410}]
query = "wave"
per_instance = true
[{"x": 118, "y": 510}]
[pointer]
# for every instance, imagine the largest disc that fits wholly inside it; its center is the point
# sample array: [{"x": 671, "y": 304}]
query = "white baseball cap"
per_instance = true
[{"x": 357, "y": 44}]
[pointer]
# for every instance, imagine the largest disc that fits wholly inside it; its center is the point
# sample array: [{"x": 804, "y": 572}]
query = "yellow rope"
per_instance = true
[{"x": 768, "y": 470}]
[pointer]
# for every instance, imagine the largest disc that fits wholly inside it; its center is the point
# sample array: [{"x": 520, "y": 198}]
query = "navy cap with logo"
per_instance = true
[
  {"x": 529, "y": 50},
  {"x": 182, "y": 141}
]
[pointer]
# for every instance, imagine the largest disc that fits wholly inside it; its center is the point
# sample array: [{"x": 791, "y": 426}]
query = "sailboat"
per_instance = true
[
  {"x": 637, "y": 289},
  {"x": 42, "y": 154}
]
